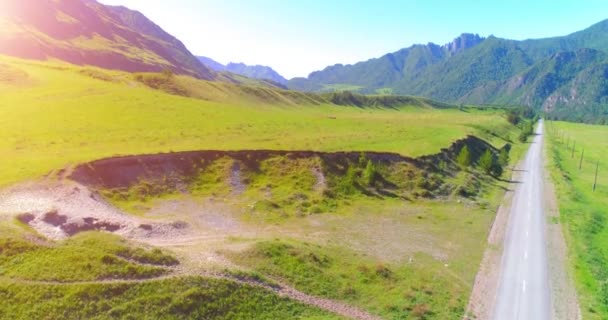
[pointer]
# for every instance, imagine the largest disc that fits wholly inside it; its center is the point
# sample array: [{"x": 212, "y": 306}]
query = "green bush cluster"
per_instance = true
[{"x": 526, "y": 131}]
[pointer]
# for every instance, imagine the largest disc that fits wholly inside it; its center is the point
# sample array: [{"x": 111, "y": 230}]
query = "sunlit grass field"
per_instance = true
[
  {"x": 583, "y": 212},
  {"x": 52, "y": 115}
]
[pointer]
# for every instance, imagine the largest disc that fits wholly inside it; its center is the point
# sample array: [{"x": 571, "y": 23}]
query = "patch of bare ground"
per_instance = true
[
  {"x": 564, "y": 301},
  {"x": 481, "y": 302},
  {"x": 320, "y": 181},
  {"x": 59, "y": 209}
]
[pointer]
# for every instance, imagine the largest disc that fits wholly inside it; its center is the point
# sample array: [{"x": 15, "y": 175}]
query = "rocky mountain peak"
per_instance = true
[{"x": 463, "y": 42}]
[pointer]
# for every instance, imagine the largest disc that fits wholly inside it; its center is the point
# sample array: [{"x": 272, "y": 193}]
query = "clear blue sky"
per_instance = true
[{"x": 296, "y": 37}]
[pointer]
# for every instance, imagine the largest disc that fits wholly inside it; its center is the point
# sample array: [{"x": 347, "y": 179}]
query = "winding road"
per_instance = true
[{"x": 523, "y": 291}]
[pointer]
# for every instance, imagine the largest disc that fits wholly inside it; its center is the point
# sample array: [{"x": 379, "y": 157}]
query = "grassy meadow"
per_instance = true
[
  {"x": 412, "y": 254},
  {"x": 583, "y": 212},
  {"x": 53, "y": 114}
]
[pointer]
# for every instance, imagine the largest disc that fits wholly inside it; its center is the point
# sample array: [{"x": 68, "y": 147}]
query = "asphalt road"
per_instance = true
[{"x": 523, "y": 291}]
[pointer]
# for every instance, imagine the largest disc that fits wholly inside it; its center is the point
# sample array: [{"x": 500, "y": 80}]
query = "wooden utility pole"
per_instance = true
[
  {"x": 580, "y": 163},
  {"x": 595, "y": 181}
]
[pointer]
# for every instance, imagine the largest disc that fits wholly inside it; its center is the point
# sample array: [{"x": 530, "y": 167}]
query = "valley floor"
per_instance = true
[{"x": 327, "y": 211}]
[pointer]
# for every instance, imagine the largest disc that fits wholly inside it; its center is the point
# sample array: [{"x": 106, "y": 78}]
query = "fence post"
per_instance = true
[
  {"x": 595, "y": 181},
  {"x": 573, "y": 148},
  {"x": 580, "y": 163}
]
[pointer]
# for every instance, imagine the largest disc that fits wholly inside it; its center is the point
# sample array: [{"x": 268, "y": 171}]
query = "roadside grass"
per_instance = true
[
  {"x": 180, "y": 298},
  {"x": 583, "y": 212},
  {"x": 86, "y": 256},
  {"x": 62, "y": 115}
]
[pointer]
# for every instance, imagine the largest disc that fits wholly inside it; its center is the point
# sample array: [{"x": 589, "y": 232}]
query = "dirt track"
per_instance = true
[{"x": 52, "y": 205}]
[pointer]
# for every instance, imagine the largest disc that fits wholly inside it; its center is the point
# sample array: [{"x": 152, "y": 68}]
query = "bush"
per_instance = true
[
  {"x": 523, "y": 137},
  {"x": 513, "y": 117},
  {"x": 464, "y": 157},
  {"x": 526, "y": 130},
  {"x": 497, "y": 169}
]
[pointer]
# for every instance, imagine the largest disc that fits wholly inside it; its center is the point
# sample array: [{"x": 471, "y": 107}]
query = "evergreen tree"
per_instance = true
[
  {"x": 362, "y": 160},
  {"x": 369, "y": 174},
  {"x": 464, "y": 157},
  {"x": 503, "y": 157},
  {"x": 486, "y": 162},
  {"x": 347, "y": 184}
]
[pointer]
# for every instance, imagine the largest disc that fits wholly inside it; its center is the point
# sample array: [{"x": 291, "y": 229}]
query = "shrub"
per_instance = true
[
  {"x": 383, "y": 271},
  {"x": 527, "y": 129},
  {"x": 497, "y": 169},
  {"x": 513, "y": 117},
  {"x": 523, "y": 137}
]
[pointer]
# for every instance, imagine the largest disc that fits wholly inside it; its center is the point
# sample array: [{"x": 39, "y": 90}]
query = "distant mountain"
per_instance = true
[
  {"x": 87, "y": 32},
  {"x": 214, "y": 65},
  {"x": 568, "y": 85},
  {"x": 255, "y": 72},
  {"x": 561, "y": 75},
  {"x": 383, "y": 73}
]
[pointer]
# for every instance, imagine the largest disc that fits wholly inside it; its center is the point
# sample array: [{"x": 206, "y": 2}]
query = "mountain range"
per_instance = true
[
  {"x": 255, "y": 71},
  {"x": 564, "y": 76},
  {"x": 567, "y": 76}
]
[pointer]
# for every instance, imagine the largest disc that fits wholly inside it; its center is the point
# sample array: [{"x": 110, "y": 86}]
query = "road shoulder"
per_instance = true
[{"x": 481, "y": 302}]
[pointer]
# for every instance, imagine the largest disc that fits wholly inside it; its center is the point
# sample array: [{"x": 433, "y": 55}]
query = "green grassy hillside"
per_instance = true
[{"x": 88, "y": 32}]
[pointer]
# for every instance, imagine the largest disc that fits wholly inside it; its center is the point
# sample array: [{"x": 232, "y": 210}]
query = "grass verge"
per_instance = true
[{"x": 583, "y": 211}]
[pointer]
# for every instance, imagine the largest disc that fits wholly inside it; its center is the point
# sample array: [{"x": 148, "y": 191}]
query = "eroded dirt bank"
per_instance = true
[
  {"x": 176, "y": 168},
  {"x": 71, "y": 201}
]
